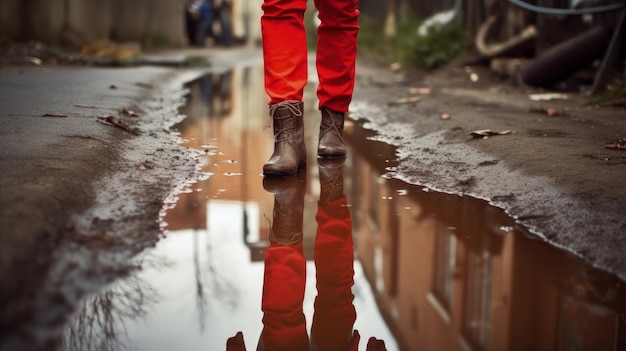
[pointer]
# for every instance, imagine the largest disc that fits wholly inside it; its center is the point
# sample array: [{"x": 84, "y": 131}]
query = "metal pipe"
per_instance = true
[{"x": 566, "y": 12}]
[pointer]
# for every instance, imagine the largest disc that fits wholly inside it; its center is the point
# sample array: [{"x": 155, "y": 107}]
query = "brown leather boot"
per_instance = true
[
  {"x": 331, "y": 134},
  {"x": 287, "y": 219},
  {"x": 289, "y": 150},
  {"x": 331, "y": 179}
]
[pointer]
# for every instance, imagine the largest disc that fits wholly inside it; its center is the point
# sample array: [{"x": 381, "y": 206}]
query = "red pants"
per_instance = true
[{"x": 285, "y": 51}]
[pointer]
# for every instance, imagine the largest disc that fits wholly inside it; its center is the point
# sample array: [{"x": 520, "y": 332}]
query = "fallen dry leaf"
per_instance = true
[
  {"x": 548, "y": 97},
  {"x": 552, "y": 112},
  {"x": 117, "y": 122},
  {"x": 396, "y": 66},
  {"x": 54, "y": 115},
  {"x": 421, "y": 91},
  {"x": 34, "y": 60},
  {"x": 129, "y": 112},
  {"x": 619, "y": 144},
  {"x": 485, "y": 133},
  {"x": 407, "y": 100}
]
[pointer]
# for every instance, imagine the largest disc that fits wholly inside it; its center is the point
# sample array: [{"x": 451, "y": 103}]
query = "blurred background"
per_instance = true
[{"x": 562, "y": 37}]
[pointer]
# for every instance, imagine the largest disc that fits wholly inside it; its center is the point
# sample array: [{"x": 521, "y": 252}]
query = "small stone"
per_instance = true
[{"x": 552, "y": 112}]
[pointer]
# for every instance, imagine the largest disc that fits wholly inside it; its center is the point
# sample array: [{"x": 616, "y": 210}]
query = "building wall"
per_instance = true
[{"x": 84, "y": 21}]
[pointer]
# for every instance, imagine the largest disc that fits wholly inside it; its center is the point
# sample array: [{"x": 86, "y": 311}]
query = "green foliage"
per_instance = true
[
  {"x": 439, "y": 47},
  {"x": 196, "y": 61},
  {"x": 616, "y": 92}
]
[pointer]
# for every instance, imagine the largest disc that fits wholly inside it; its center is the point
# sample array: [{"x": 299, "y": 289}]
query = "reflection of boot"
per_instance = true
[
  {"x": 288, "y": 207},
  {"x": 284, "y": 323},
  {"x": 331, "y": 134},
  {"x": 331, "y": 179},
  {"x": 236, "y": 343},
  {"x": 374, "y": 344},
  {"x": 289, "y": 150},
  {"x": 334, "y": 316}
]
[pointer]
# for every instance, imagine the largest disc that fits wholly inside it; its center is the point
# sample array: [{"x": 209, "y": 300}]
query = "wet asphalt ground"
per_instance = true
[{"x": 82, "y": 205}]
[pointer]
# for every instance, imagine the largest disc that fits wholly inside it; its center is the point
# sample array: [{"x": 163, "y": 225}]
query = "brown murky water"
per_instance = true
[{"x": 429, "y": 271}]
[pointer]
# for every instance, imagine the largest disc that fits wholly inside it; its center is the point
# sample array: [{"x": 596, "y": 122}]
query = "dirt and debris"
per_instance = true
[
  {"x": 619, "y": 144},
  {"x": 420, "y": 91},
  {"x": 129, "y": 112},
  {"x": 548, "y": 96},
  {"x": 118, "y": 122},
  {"x": 116, "y": 52},
  {"x": 86, "y": 106},
  {"x": 485, "y": 133}
]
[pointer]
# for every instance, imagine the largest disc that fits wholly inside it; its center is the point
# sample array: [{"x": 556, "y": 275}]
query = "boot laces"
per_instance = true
[
  {"x": 331, "y": 181},
  {"x": 332, "y": 124},
  {"x": 289, "y": 234},
  {"x": 294, "y": 110},
  {"x": 291, "y": 105}
]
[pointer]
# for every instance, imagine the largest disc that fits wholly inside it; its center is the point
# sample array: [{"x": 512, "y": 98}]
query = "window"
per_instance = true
[
  {"x": 477, "y": 318},
  {"x": 445, "y": 260}
]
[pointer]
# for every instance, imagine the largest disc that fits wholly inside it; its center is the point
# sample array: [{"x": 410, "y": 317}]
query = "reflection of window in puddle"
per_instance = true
[
  {"x": 444, "y": 268},
  {"x": 477, "y": 319},
  {"x": 378, "y": 267},
  {"x": 374, "y": 195}
]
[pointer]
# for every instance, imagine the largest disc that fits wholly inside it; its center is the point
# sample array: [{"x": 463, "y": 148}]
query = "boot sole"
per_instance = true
[{"x": 280, "y": 173}]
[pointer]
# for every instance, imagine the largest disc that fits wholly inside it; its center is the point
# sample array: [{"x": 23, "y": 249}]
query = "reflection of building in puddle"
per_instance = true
[
  {"x": 228, "y": 129},
  {"x": 451, "y": 272}
]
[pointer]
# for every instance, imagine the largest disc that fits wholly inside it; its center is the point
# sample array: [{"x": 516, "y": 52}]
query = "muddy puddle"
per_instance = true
[{"x": 429, "y": 271}]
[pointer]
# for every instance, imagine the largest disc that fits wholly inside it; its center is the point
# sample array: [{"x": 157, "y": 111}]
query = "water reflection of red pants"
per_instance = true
[
  {"x": 334, "y": 266},
  {"x": 285, "y": 50},
  {"x": 284, "y": 325}
]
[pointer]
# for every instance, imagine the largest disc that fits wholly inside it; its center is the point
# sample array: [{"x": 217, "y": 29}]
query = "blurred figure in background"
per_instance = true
[
  {"x": 199, "y": 16},
  {"x": 224, "y": 10},
  {"x": 191, "y": 21}
]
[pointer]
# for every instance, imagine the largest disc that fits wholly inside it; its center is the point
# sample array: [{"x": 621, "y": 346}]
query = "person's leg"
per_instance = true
[
  {"x": 225, "y": 24},
  {"x": 284, "y": 49},
  {"x": 285, "y": 57},
  {"x": 336, "y": 66},
  {"x": 206, "y": 21},
  {"x": 209, "y": 14},
  {"x": 336, "y": 52}
]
